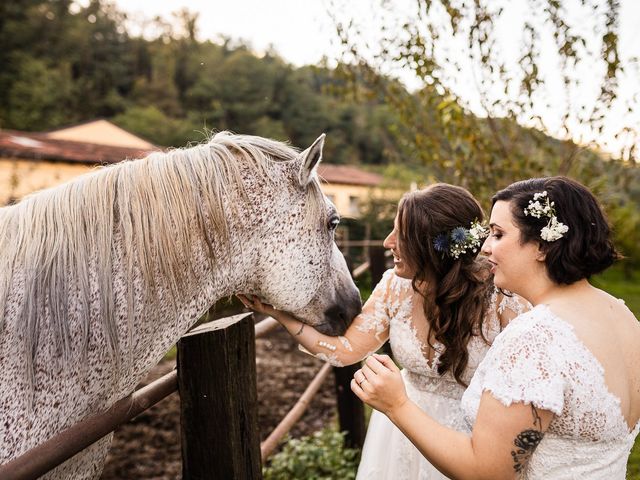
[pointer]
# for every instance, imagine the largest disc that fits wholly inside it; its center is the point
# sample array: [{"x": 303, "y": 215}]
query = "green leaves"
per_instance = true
[{"x": 321, "y": 456}]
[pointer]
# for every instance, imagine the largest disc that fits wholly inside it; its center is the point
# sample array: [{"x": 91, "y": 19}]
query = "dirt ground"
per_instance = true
[{"x": 149, "y": 446}]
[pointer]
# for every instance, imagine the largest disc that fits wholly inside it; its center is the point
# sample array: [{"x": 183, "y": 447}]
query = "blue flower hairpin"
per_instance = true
[{"x": 460, "y": 240}]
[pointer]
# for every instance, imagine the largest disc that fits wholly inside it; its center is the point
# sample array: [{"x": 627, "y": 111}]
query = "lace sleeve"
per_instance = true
[
  {"x": 509, "y": 306},
  {"x": 368, "y": 331},
  {"x": 524, "y": 365}
]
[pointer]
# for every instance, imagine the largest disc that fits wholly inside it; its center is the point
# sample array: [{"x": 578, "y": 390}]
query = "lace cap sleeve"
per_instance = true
[
  {"x": 375, "y": 312},
  {"x": 525, "y": 365},
  {"x": 509, "y": 306}
]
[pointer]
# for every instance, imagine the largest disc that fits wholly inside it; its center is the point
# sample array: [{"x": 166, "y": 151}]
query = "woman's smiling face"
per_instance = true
[
  {"x": 513, "y": 262},
  {"x": 400, "y": 265}
]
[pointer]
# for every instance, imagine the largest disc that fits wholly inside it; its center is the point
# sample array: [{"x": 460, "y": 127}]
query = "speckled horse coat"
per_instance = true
[{"x": 100, "y": 276}]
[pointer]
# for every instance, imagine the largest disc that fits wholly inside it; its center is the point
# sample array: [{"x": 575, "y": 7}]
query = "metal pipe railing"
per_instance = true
[
  {"x": 59, "y": 448},
  {"x": 271, "y": 442},
  {"x": 53, "y": 452}
]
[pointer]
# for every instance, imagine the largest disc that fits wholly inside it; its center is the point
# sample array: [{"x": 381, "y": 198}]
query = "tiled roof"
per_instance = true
[
  {"x": 347, "y": 174},
  {"x": 38, "y": 146}
]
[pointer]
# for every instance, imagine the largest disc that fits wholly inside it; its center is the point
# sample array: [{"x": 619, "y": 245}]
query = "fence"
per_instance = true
[{"x": 220, "y": 437}]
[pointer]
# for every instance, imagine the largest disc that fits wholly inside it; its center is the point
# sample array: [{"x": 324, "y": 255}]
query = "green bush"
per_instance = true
[{"x": 321, "y": 456}]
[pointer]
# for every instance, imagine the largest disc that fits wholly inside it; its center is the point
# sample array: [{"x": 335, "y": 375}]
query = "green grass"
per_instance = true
[
  {"x": 628, "y": 288},
  {"x": 172, "y": 353},
  {"x": 617, "y": 284}
]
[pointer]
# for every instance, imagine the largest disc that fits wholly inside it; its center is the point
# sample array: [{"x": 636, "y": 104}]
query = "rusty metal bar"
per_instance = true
[
  {"x": 64, "y": 445},
  {"x": 269, "y": 445},
  {"x": 67, "y": 443}
]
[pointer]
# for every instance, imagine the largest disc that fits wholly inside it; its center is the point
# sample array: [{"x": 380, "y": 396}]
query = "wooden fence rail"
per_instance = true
[{"x": 218, "y": 412}]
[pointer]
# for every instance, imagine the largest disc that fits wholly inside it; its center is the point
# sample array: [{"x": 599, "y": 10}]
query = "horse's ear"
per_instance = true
[{"x": 310, "y": 159}]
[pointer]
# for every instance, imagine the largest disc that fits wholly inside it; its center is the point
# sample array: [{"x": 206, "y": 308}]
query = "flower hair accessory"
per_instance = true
[
  {"x": 460, "y": 240},
  {"x": 554, "y": 230}
]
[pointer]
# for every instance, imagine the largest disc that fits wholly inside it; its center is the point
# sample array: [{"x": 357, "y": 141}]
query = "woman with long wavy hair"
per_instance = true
[{"x": 440, "y": 312}]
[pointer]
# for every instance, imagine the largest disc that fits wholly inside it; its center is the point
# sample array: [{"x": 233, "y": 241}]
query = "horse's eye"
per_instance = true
[{"x": 333, "y": 222}]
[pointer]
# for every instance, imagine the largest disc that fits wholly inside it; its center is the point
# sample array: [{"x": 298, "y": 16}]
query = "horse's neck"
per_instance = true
[{"x": 158, "y": 327}]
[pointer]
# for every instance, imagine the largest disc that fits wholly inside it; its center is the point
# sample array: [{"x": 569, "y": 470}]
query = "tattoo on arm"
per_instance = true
[{"x": 526, "y": 442}]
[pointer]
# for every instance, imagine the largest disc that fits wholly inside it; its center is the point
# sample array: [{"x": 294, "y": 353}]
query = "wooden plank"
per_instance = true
[
  {"x": 290, "y": 419},
  {"x": 217, "y": 384}
]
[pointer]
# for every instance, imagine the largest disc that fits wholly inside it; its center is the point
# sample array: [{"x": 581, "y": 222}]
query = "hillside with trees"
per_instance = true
[{"x": 64, "y": 64}]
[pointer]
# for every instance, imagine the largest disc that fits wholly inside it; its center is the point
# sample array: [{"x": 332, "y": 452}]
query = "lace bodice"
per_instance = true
[
  {"x": 409, "y": 344},
  {"x": 538, "y": 359},
  {"x": 393, "y": 313}
]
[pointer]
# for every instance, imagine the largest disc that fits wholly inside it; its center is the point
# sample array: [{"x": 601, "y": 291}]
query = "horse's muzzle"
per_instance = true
[{"x": 339, "y": 316}]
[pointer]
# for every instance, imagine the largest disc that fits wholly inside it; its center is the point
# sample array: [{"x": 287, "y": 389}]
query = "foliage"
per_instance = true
[
  {"x": 153, "y": 124},
  {"x": 65, "y": 63},
  {"x": 485, "y": 103},
  {"x": 321, "y": 456},
  {"x": 633, "y": 465}
]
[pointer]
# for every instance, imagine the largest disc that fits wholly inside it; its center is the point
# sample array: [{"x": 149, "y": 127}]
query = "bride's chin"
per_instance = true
[
  {"x": 497, "y": 281},
  {"x": 401, "y": 272}
]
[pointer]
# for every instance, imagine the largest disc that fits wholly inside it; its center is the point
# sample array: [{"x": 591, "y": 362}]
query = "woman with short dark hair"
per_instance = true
[{"x": 558, "y": 394}]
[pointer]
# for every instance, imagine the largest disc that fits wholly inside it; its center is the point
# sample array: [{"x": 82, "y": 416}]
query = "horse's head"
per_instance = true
[{"x": 298, "y": 267}]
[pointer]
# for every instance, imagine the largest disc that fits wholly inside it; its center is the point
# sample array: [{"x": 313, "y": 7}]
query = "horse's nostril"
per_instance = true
[{"x": 339, "y": 317}]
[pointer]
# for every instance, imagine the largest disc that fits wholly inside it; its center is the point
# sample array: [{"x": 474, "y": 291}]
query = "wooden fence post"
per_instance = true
[
  {"x": 350, "y": 408},
  {"x": 218, "y": 401},
  {"x": 377, "y": 264}
]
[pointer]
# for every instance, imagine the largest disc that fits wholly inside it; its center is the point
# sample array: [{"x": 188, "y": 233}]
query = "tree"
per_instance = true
[{"x": 486, "y": 101}]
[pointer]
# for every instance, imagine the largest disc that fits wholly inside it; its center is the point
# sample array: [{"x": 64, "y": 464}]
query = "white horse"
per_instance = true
[{"x": 101, "y": 275}]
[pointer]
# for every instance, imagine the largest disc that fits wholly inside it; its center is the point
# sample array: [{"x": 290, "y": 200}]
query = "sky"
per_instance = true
[{"x": 302, "y": 31}]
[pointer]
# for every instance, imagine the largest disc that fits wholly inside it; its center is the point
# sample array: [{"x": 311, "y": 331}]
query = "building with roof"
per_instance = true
[
  {"x": 34, "y": 161},
  {"x": 349, "y": 187}
]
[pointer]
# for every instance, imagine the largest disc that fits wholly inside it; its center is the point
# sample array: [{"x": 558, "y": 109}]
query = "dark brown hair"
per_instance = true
[
  {"x": 585, "y": 249},
  {"x": 457, "y": 291}
]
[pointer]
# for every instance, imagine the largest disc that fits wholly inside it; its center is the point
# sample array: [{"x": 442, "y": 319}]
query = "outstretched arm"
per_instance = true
[{"x": 368, "y": 331}]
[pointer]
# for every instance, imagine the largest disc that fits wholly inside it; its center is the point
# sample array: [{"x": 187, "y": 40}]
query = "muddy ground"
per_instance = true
[{"x": 149, "y": 446}]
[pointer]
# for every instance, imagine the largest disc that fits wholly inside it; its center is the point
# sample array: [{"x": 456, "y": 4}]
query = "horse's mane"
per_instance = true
[{"x": 157, "y": 208}]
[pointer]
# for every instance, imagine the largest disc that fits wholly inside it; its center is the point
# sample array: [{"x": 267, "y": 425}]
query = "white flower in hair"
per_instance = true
[{"x": 555, "y": 229}]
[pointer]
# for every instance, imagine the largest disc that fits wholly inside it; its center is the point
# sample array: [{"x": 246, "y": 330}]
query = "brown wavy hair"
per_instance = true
[{"x": 457, "y": 290}]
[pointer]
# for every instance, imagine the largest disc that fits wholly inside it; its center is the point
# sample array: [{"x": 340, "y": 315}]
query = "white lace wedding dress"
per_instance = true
[
  {"x": 390, "y": 312},
  {"x": 539, "y": 359}
]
